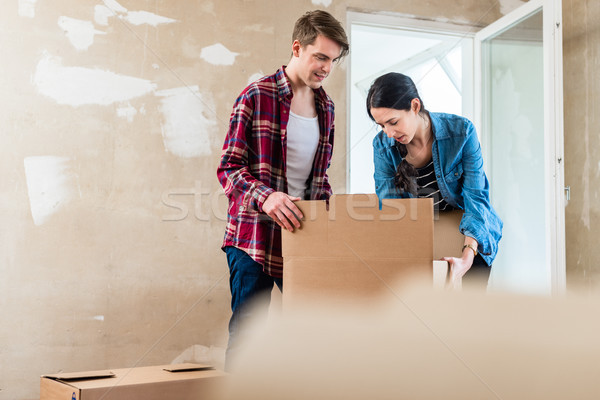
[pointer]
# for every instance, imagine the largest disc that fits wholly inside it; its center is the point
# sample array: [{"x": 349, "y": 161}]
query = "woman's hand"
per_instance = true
[{"x": 459, "y": 266}]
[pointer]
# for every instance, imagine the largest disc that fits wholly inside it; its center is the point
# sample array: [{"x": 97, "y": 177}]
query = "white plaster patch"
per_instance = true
[
  {"x": 185, "y": 127},
  {"x": 507, "y": 6},
  {"x": 98, "y": 318},
  {"x": 217, "y": 54},
  {"x": 145, "y": 17},
  {"x": 114, "y": 6},
  {"x": 50, "y": 184},
  {"x": 325, "y": 3},
  {"x": 101, "y": 14},
  {"x": 80, "y": 33},
  {"x": 76, "y": 86},
  {"x": 27, "y": 8},
  {"x": 255, "y": 77},
  {"x": 127, "y": 111}
]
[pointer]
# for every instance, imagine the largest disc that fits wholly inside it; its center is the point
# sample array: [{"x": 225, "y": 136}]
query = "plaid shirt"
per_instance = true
[{"x": 253, "y": 165}]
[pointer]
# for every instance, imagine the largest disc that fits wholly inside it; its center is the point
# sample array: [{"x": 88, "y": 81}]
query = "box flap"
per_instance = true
[
  {"x": 188, "y": 367},
  {"x": 72, "y": 376},
  {"x": 353, "y": 226}
]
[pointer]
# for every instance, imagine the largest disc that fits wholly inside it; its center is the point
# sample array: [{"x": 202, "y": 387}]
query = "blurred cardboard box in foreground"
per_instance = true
[{"x": 427, "y": 344}]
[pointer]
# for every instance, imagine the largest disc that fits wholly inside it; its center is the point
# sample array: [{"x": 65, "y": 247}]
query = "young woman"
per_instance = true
[{"x": 423, "y": 154}]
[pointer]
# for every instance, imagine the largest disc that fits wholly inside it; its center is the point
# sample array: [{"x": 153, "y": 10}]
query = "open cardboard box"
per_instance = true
[
  {"x": 164, "y": 382},
  {"x": 348, "y": 248},
  {"x": 447, "y": 242}
]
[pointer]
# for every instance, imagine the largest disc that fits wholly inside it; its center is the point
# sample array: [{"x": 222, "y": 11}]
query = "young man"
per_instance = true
[{"x": 277, "y": 151}]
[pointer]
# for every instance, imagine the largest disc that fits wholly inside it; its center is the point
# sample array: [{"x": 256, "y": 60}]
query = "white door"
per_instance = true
[{"x": 518, "y": 63}]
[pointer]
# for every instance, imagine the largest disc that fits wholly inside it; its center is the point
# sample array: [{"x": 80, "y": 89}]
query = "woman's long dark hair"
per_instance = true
[{"x": 396, "y": 91}]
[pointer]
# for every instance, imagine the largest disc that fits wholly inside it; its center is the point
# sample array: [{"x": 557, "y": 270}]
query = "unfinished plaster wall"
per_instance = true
[
  {"x": 112, "y": 121},
  {"x": 581, "y": 33}
]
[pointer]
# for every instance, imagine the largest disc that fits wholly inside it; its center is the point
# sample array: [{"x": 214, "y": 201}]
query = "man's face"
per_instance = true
[{"x": 316, "y": 60}]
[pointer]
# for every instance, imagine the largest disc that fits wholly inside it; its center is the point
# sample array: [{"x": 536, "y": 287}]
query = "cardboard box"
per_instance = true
[
  {"x": 432, "y": 346},
  {"x": 166, "y": 382},
  {"x": 348, "y": 248},
  {"x": 447, "y": 239},
  {"x": 447, "y": 242}
]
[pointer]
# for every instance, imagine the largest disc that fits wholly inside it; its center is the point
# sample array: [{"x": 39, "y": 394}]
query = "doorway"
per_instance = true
[
  {"x": 439, "y": 59},
  {"x": 506, "y": 78}
]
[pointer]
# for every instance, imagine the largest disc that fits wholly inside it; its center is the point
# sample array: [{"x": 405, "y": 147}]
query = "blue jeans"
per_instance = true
[{"x": 250, "y": 296}]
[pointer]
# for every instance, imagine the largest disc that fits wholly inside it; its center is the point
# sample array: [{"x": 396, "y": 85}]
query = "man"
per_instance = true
[{"x": 277, "y": 151}]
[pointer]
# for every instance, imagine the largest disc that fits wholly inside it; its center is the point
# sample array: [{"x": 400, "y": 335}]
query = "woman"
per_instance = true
[{"x": 423, "y": 154}]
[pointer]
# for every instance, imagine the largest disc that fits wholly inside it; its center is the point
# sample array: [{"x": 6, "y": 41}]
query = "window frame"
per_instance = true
[{"x": 417, "y": 27}]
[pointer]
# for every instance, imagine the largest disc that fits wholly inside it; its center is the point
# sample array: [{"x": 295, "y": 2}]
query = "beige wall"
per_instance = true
[
  {"x": 97, "y": 270},
  {"x": 581, "y": 33}
]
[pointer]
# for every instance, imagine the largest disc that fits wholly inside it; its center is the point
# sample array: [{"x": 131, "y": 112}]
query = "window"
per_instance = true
[
  {"x": 506, "y": 78},
  {"x": 438, "y": 58}
]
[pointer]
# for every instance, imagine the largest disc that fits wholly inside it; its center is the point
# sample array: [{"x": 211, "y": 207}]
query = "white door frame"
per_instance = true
[
  {"x": 407, "y": 24},
  {"x": 553, "y": 122}
]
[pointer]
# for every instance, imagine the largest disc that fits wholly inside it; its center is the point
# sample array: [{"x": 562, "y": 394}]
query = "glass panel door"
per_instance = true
[{"x": 519, "y": 149}]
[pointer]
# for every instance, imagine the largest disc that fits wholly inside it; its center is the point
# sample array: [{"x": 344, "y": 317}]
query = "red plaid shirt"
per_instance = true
[{"x": 253, "y": 165}]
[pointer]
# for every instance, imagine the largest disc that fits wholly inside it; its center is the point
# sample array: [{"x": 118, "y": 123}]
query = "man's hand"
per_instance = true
[{"x": 281, "y": 208}]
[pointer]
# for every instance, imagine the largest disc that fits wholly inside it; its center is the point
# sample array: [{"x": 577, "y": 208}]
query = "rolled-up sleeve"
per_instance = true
[
  {"x": 234, "y": 169},
  {"x": 479, "y": 220}
]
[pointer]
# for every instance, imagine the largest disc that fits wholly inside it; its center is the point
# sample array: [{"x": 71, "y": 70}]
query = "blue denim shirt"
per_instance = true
[{"x": 459, "y": 171}]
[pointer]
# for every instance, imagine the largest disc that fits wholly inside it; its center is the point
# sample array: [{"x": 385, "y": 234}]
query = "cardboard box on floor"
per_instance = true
[
  {"x": 165, "y": 382},
  {"x": 350, "y": 249}
]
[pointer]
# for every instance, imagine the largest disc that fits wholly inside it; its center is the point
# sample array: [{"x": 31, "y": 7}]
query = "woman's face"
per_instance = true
[{"x": 398, "y": 124}]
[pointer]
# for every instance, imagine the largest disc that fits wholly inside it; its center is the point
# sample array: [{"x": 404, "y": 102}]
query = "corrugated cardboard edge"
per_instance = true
[
  {"x": 51, "y": 388},
  {"x": 71, "y": 376},
  {"x": 188, "y": 367},
  {"x": 440, "y": 274}
]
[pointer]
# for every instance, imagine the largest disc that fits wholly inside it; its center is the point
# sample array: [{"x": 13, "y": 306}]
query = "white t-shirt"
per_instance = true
[{"x": 302, "y": 142}]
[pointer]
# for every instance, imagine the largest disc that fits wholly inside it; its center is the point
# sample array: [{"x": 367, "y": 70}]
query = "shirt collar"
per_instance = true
[
  {"x": 284, "y": 85},
  {"x": 390, "y": 141},
  {"x": 285, "y": 88},
  {"x": 435, "y": 124}
]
